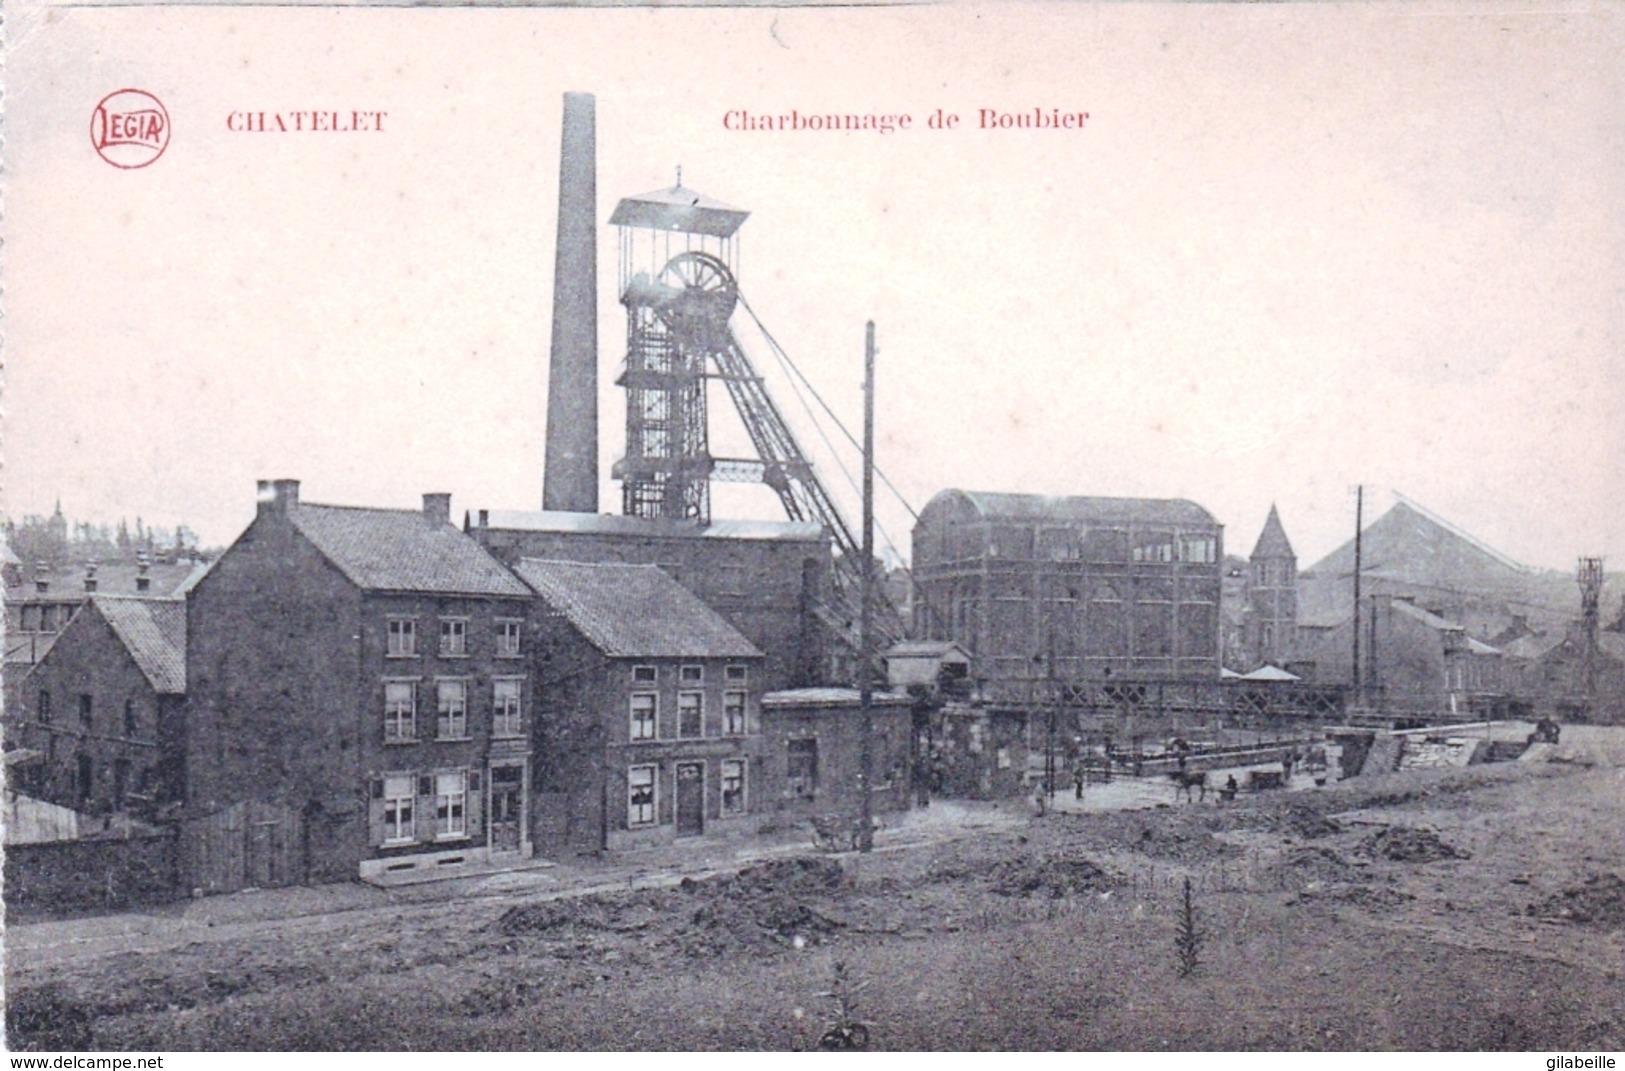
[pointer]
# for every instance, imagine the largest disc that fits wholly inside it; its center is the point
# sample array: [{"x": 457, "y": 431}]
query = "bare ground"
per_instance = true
[{"x": 1465, "y": 909}]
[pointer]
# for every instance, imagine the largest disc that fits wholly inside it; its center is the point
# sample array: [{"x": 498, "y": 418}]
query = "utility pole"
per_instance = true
[
  {"x": 866, "y": 836},
  {"x": 1359, "y": 504}
]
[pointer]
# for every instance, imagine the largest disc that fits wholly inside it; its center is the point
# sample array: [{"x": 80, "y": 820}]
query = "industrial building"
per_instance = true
[{"x": 1042, "y": 590}]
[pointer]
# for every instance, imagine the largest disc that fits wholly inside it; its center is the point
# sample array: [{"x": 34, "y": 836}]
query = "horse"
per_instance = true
[{"x": 1186, "y": 780}]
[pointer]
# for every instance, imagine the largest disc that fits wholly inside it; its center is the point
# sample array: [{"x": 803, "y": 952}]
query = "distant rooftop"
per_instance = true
[{"x": 830, "y": 697}]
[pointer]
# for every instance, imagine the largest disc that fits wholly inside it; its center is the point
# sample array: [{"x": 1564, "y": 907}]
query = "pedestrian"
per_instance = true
[{"x": 1077, "y": 779}]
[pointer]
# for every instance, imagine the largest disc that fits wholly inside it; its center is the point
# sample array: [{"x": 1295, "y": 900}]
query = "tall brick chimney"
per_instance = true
[
  {"x": 570, "y": 473},
  {"x": 437, "y": 508}
]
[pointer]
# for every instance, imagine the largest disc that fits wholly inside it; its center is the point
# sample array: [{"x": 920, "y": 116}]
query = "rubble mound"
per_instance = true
[
  {"x": 1369, "y": 896},
  {"x": 760, "y": 907},
  {"x": 1293, "y": 820},
  {"x": 1407, "y": 844},
  {"x": 1054, "y": 876},
  {"x": 1318, "y": 865},
  {"x": 1599, "y": 902},
  {"x": 615, "y": 912},
  {"x": 45, "y": 1019}
]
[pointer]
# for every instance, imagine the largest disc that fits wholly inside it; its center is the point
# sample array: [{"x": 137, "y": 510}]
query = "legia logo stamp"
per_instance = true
[{"x": 129, "y": 128}]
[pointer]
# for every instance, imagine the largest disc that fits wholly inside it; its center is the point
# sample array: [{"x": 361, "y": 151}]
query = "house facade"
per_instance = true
[
  {"x": 650, "y": 711},
  {"x": 813, "y": 752},
  {"x": 101, "y": 711},
  {"x": 365, "y": 670}
]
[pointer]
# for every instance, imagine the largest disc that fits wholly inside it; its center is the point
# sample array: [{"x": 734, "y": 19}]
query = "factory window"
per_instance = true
[
  {"x": 1105, "y": 545},
  {"x": 403, "y": 637},
  {"x": 645, "y": 711},
  {"x": 1156, "y": 547},
  {"x": 451, "y": 718},
  {"x": 451, "y": 804},
  {"x": 508, "y": 633},
  {"x": 506, "y": 719},
  {"x": 690, "y": 714},
  {"x": 643, "y": 674},
  {"x": 399, "y": 712},
  {"x": 84, "y": 710},
  {"x": 736, "y": 674},
  {"x": 1057, "y": 544},
  {"x": 733, "y": 786},
  {"x": 1201, "y": 550},
  {"x": 453, "y": 637},
  {"x": 130, "y": 721},
  {"x": 692, "y": 674},
  {"x": 398, "y": 806},
  {"x": 640, "y": 796},
  {"x": 44, "y": 707},
  {"x": 733, "y": 713}
]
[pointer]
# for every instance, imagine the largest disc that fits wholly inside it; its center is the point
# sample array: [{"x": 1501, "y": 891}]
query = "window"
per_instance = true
[
  {"x": 508, "y": 633},
  {"x": 733, "y": 786},
  {"x": 403, "y": 637},
  {"x": 451, "y": 720},
  {"x": 84, "y": 710},
  {"x": 640, "y": 796},
  {"x": 645, "y": 706},
  {"x": 733, "y": 713},
  {"x": 736, "y": 674},
  {"x": 399, "y": 710},
  {"x": 691, "y": 674},
  {"x": 643, "y": 674},
  {"x": 398, "y": 800},
  {"x": 505, "y": 715},
  {"x": 801, "y": 773},
  {"x": 690, "y": 713},
  {"x": 44, "y": 706},
  {"x": 453, "y": 637},
  {"x": 451, "y": 804},
  {"x": 130, "y": 722}
]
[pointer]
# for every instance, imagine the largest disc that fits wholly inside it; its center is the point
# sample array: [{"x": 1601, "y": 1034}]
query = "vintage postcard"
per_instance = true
[{"x": 442, "y": 604}]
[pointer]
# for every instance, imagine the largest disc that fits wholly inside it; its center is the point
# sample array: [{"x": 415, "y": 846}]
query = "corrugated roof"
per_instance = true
[
  {"x": 402, "y": 550},
  {"x": 830, "y": 697},
  {"x": 1270, "y": 673},
  {"x": 154, "y": 632},
  {"x": 1272, "y": 541},
  {"x": 634, "y": 611},
  {"x": 1085, "y": 508},
  {"x": 647, "y": 527}
]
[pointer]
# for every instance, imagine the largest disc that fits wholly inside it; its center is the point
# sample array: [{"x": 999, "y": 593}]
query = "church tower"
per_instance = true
[{"x": 1272, "y": 595}]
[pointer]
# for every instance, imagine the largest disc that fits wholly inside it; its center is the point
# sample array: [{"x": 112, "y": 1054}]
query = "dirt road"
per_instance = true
[{"x": 1464, "y": 909}]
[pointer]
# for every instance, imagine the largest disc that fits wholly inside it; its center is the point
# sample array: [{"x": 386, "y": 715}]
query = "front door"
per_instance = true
[
  {"x": 690, "y": 798},
  {"x": 507, "y": 807}
]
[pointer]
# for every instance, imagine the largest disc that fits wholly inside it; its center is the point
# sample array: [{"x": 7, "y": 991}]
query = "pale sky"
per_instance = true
[{"x": 1295, "y": 249}]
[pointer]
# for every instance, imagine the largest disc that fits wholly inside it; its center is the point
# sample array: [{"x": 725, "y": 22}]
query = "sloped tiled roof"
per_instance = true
[
  {"x": 154, "y": 632},
  {"x": 925, "y": 649},
  {"x": 634, "y": 611},
  {"x": 1000, "y": 506},
  {"x": 1272, "y": 541},
  {"x": 402, "y": 550}
]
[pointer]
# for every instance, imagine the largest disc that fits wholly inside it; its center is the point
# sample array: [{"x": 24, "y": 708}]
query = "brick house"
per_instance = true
[
  {"x": 366, "y": 669},
  {"x": 648, "y": 710},
  {"x": 102, "y": 708}
]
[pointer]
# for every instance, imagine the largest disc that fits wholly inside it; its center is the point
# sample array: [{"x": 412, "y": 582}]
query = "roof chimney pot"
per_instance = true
[
  {"x": 437, "y": 508},
  {"x": 277, "y": 496}
]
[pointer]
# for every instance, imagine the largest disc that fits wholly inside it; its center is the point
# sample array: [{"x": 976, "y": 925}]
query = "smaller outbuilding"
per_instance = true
[{"x": 812, "y": 742}]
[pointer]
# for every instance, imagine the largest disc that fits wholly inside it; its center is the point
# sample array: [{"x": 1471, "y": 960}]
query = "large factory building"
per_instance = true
[{"x": 1074, "y": 589}]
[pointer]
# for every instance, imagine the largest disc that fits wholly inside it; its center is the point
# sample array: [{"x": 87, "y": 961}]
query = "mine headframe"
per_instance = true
[{"x": 678, "y": 284}]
